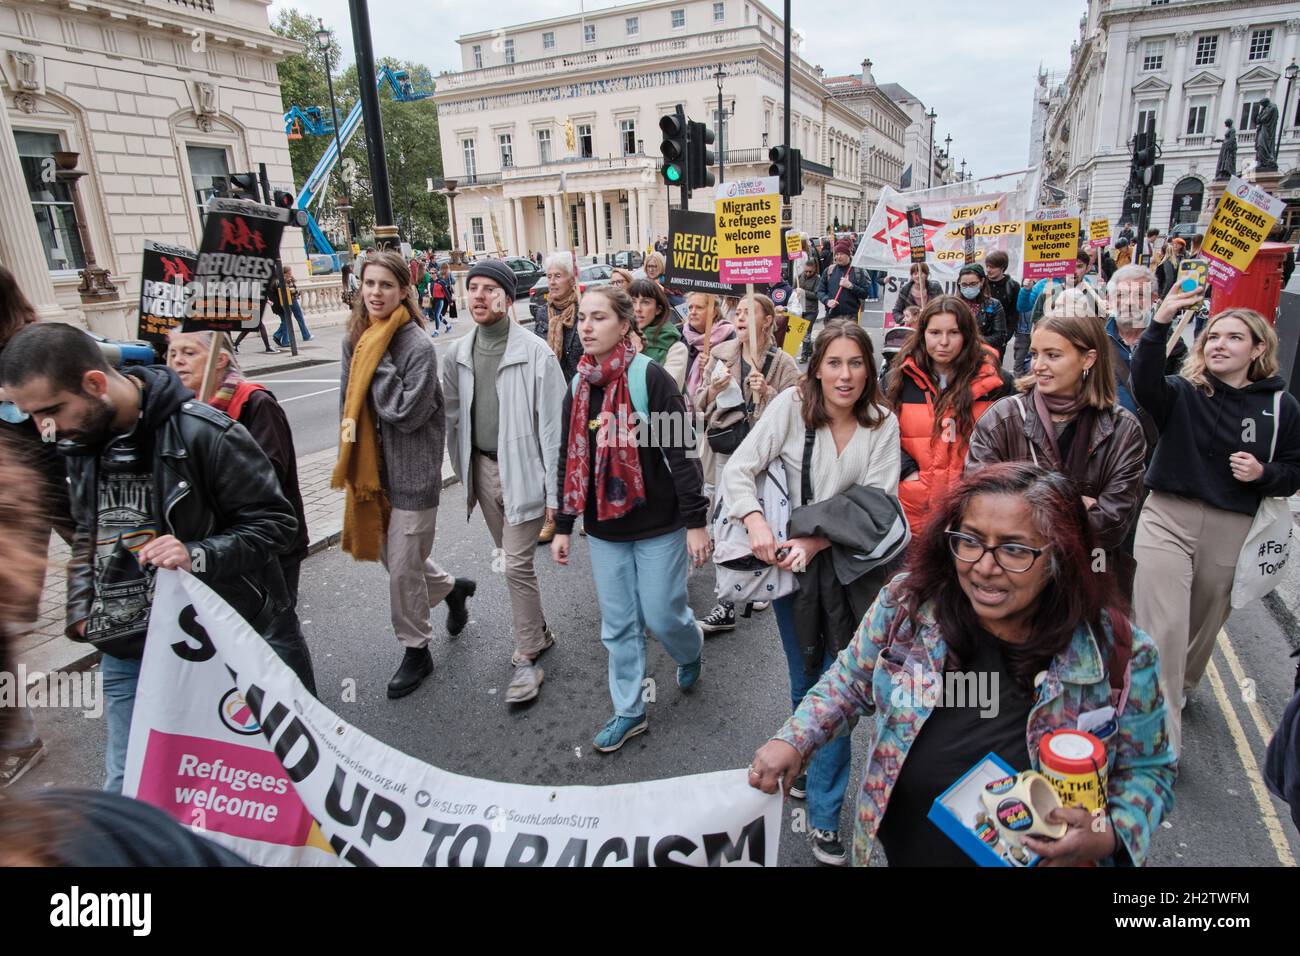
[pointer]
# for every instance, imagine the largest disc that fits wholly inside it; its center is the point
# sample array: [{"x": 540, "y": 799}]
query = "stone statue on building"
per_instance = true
[
  {"x": 1227, "y": 165},
  {"x": 1266, "y": 136}
]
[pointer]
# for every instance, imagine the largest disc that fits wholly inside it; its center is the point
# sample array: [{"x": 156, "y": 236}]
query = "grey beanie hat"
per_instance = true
[{"x": 497, "y": 271}]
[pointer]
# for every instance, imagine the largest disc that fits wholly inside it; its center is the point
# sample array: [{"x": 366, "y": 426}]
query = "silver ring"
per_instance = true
[{"x": 754, "y": 772}]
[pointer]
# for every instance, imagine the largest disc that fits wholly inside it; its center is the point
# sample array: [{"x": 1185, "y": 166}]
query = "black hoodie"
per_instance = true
[{"x": 1198, "y": 432}]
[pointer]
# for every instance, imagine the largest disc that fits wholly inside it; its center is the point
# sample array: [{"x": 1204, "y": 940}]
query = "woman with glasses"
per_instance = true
[
  {"x": 998, "y": 589},
  {"x": 1067, "y": 419}
]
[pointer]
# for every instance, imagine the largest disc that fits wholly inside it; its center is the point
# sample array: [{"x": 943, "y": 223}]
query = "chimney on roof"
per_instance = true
[{"x": 867, "y": 78}]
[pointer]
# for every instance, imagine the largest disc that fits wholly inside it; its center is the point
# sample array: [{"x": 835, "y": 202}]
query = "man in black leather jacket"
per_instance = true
[{"x": 156, "y": 479}]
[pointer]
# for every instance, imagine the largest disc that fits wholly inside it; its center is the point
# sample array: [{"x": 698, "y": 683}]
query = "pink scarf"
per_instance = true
[{"x": 722, "y": 331}]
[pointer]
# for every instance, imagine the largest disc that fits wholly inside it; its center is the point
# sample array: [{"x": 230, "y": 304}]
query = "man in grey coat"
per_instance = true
[{"x": 504, "y": 395}]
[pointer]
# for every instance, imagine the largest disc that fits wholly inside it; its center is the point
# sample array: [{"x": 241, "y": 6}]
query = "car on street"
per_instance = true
[
  {"x": 526, "y": 271},
  {"x": 589, "y": 277},
  {"x": 628, "y": 259}
]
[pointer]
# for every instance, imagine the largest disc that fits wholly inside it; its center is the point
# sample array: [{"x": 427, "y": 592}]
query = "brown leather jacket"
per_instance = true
[{"x": 1012, "y": 431}]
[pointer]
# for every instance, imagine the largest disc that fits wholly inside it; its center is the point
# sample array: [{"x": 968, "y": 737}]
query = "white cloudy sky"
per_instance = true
[{"x": 974, "y": 62}]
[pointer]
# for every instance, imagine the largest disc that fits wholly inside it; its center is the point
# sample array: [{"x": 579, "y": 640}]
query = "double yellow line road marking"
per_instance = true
[{"x": 1276, "y": 834}]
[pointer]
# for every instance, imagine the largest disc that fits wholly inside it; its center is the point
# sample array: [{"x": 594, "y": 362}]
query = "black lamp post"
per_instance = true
[
  {"x": 929, "y": 181},
  {"x": 1290, "y": 73},
  {"x": 385, "y": 231},
  {"x": 345, "y": 207},
  {"x": 722, "y": 122},
  {"x": 963, "y": 170}
]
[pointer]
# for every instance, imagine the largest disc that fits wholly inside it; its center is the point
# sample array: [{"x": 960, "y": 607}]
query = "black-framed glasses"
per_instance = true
[{"x": 1016, "y": 558}]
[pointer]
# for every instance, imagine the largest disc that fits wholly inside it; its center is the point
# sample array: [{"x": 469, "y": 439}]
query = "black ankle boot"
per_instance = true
[
  {"x": 417, "y": 664},
  {"x": 457, "y": 612}
]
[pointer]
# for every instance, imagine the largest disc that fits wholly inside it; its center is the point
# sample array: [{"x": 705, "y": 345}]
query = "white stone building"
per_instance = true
[
  {"x": 606, "y": 78},
  {"x": 923, "y": 151},
  {"x": 156, "y": 97},
  {"x": 883, "y": 159},
  {"x": 1190, "y": 65}
]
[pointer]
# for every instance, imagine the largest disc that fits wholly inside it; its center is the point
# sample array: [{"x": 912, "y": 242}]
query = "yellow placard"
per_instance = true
[
  {"x": 749, "y": 226},
  {"x": 793, "y": 245},
  {"x": 1099, "y": 233},
  {"x": 794, "y": 335},
  {"x": 986, "y": 230},
  {"x": 1051, "y": 239},
  {"x": 1236, "y": 232}
]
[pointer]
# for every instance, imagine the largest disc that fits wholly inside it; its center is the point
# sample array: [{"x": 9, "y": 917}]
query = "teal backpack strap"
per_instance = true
[{"x": 636, "y": 383}]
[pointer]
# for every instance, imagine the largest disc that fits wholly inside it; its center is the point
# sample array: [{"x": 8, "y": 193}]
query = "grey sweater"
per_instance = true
[{"x": 406, "y": 397}]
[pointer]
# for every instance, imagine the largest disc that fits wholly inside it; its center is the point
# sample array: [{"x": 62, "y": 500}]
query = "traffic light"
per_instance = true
[
  {"x": 237, "y": 186},
  {"x": 699, "y": 138},
  {"x": 282, "y": 199},
  {"x": 787, "y": 166},
  {"x": 675, "y": 132},
  {"x": 1144, "y": 151}
]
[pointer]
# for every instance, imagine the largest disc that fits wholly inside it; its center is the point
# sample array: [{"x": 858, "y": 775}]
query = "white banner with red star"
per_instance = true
[{"x": 945, "y": 210}]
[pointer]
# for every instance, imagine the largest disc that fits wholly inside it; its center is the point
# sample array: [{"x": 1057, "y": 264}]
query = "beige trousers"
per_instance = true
[
  {"x": 518, "y": 546},
  {"x": 1186, "y": 554},
  {"x": 415, "y": 583}
]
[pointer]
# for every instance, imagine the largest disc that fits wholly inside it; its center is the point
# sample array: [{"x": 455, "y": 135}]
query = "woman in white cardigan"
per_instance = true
[{"x": 855, "y": 443}]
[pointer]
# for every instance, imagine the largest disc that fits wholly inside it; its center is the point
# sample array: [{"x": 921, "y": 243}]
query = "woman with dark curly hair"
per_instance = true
[{"x": 1000, "y": 584}]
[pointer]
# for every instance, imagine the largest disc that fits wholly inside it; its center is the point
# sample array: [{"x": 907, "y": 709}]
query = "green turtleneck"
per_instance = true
[{"x": 489, "y": 346}]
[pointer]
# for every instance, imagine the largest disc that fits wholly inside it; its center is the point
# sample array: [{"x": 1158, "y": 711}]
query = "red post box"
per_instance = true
[{"x": 1260, "y": 286}]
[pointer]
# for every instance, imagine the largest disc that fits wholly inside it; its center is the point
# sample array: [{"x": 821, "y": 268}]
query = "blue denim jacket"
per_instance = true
[{"x": 1141, "y": 761}]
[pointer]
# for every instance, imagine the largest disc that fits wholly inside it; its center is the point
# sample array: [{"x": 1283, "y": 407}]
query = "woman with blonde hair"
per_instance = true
[
  {"x": 390, "y": 397},
  {"x": 1229, "y": 437},
  {"x": 1067, "y": 419},
  {"x": 704, "y": 329},
  {"x": 620, "y": 279}
]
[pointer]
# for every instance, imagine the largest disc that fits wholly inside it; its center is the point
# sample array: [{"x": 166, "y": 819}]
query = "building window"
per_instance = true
[
  {"x": 510, "y": 51},
  {"x": 719, "y": 12},
  {"x": 627, "y": 135},
  {"x": 627, "y": 225},
  {"x": 1196, "y": 120},
  {"x": 543, "y": 145},
  {"x": 679, "y": 19},
  {"x": 1153, "y": 58},
  {"x": 205, "y": 163},
  {"x": 633, "y": 26},
  {"x": 548, "y": 40},
  {"x": 1145, "y": 117},
  {"x": 476, "y": 231},
  {"x": 589, "y": 33},
  {"x": 1261, "y": 44},
  {"x": 506, "y": 142},
  {"x": 609, "y": 223},
  {"x": 1249, "y": 111},
  {"x": 478, "y": 57},
  {"x": 586, "y": 143},
  {"x": 1207, "y": 50},
  {"x": 467, "y": 149},
  {"x": 56, "y": 220}
]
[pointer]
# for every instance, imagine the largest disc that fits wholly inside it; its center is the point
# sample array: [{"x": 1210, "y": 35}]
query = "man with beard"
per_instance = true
[{"x": 156, "y": 479}]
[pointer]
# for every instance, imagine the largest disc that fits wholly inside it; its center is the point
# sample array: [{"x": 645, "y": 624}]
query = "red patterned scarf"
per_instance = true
[{"x": 619, "y": 485}]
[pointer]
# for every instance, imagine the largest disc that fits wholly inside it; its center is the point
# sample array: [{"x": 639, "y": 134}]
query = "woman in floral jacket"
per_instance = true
[{"x": 1003, "y": 588}]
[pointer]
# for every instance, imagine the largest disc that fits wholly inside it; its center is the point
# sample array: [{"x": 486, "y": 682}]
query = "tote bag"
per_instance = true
[{"x": 1268, "y": 544}]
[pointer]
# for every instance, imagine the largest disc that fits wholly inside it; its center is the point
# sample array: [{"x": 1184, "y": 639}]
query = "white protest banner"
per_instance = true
[
  {"x": 997, "y": 217},
  {"x": 379, "y": 806}
]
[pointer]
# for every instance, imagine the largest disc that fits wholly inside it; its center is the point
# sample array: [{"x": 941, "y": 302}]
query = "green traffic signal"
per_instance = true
[{"x": 673, "y": 173}]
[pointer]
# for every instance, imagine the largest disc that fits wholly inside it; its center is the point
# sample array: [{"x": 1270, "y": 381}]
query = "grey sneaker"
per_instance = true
[
  {"x": 18, "y": 762},
  {"x": 526, "y": 684}
]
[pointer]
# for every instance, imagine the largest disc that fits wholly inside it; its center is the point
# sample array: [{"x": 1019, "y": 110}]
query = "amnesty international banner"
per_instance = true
[
  {"x": 692, "y": 260},
  {"x": 1241, "y": 223},
  {"x": 374, "y": 804}
]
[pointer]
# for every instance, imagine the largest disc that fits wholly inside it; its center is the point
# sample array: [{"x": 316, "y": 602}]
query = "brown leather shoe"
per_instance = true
[{"x": 548, "y": 532}]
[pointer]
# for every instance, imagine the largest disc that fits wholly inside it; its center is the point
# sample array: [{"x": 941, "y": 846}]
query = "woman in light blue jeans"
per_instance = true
[{"x": 644, "y": 512}]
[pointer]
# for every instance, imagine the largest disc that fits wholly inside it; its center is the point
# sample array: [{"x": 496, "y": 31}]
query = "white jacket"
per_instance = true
[{"x": 530, "y": 394}]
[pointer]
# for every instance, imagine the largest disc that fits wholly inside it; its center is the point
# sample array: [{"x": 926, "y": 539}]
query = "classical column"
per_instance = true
[
  {"x": 521, "y": 226},
  {"x": 642, "y": 217},
  {"x": 548, "y": 227},
  {"x": 589, "y": 220},
  {"x": 1124, "y": 130},
  {"x": 633, "y": 218},
  {"x": 1228, "y": 95},
  {"x": 601, "y": 243},
  {"x": 1174, "y": 117},
  {"x": 20, "y": 242},
  {"x": 1288, "y": 54}
]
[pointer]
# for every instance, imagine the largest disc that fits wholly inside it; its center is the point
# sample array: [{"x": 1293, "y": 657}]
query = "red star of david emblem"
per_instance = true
[{"x": 898, "y": 244}]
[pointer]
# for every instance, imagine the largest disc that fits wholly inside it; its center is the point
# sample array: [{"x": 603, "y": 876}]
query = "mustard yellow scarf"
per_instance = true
[{"x": 366, "y": 508}]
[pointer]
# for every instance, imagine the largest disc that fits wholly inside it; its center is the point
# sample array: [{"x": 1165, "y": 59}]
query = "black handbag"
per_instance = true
[{"x": 725, "y": 439}]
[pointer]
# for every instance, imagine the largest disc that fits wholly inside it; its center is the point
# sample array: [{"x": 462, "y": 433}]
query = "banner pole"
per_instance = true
[{"x": 209, "y": 383}]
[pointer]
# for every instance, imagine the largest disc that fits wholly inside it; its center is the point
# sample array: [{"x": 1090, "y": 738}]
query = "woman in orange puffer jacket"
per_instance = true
[{"x": 944, "y": 378}]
